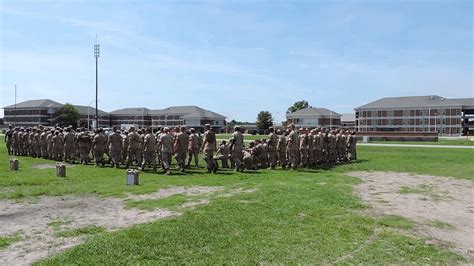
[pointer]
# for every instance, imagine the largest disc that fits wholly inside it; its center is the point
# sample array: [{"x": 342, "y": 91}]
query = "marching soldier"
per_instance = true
[
  {"x": 134, "y": 152},
  {"x": 166, "y": 144},
  {"x": 9, "y": 140},
  {"x": 208, "y": 148},
  {"x": 114, "y": 143},
  {"x": 83, "y": 144},
  {"x": 292, "y": 147},
  {"x": 98, "y": 147},
  {"x": 149, "y": 150},
  {"x": 272, "y": 148},
  {"x": 70, "y": 146},
  {"x": 193, "y": 148},
  {"x": 181, "y": 147},
  {"x": 281, "y": 148},
  {"x": 236, "y": 149}
]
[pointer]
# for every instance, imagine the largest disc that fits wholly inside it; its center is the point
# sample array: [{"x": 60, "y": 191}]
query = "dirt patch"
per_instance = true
[
  {"x": 443, "y": 207},
  {"x": 33, "y": 220},
  {"x": 47, "y": 165}
]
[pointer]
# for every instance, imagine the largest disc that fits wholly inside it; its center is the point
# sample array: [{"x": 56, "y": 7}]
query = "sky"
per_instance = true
[{"x": 235, "y": 57}]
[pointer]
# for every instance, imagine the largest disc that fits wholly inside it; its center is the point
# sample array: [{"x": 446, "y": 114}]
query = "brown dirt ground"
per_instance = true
[
  {"x": 442, "y": 207},
  {"x": 31, "y": 220}
]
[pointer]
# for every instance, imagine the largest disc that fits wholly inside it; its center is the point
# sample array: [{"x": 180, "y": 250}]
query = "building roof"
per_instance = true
[
  {"x": 84, "y": 110},
  {"x": 348, "y": 117},
  {"x": 42, "y": 103},
  {"x": 313, "y": 111},
  {"x": 416, "y": 101},
  {"x": 188, "y": 112},
  {"x": 131, "y": 111}
]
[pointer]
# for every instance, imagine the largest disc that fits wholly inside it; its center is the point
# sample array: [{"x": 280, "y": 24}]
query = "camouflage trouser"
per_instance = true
[
  {"x": 69, "y": 153},
  {"x": 181, "y": 158},
  {"x": 115, "y": 157},
  {"x": 208, "y": 156},
  {"x": 134, "y": 155},
  {"x": 248, "y": 163},
  {"x": 15, "y": 149},
  {"x": 237, "y": 159},
  {"x": 293, "y": 158},
  {"x": 57, "y": 153},
  {"x": 124, "y": 155},
  {"x": 224, "y": 159},
  {"x": 166, "y": 160},
  {"x": 99, "y": 154},
  {"x": 149, "y": 158},
  {"x": 282, "y": 158},
  {"x": 84, "y": 154},
  {"x": 37, "y": 149},
  {"x": 304, "y": 157},
  {"x": 9, "y": 147},
  {"x": 272, "y": 158},
  {"x": 193, "y": 153},
  {"x": 44, "y": 151}
]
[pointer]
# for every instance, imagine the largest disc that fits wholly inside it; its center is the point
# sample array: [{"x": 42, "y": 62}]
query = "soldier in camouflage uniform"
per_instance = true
[
  {"x": 167, "y": 150},
  {"x": 222, "y": 154},
  {"x": 125, "y": 144},
  {"x": 114, "y": 143},
  {"x": 193, "y": 148},
  {"x": 272, "y": 148},
  {"x": 208, "y": 148},
  {"x": 9, "y": 140},
  {"x": 149, "y": 150},
  {"x": 292, "y": 147},
  {"x": 99, "y": 144},
  {"x": 70, "y": 146},
  {"x": 236, "y": 149},
  {"x": 134, "y": 152},
  {"x": 57, "y": 146},
  {"x": 281, "y": 148},
  {"x": 83, "y": 144},
  {"x": 181, "y": 148}
]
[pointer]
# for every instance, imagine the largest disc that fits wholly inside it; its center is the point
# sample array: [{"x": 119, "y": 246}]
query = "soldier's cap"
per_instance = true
[
  {"x": 22, "y": 128},
  {"x": 207, "y": 125},
  {"x": 193, "y": 129}
]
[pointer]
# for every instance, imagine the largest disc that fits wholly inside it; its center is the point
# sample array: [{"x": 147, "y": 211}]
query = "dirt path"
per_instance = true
[
  {"x": 32, "y": 221},
  {"x": 443, "y": 207}
]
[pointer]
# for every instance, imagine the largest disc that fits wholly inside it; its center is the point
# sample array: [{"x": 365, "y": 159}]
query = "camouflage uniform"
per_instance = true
[
  {"x": 166, "y": 144},
  {"x": 281, "y": 148},
  {"x": 57, "y": 146},
  {"x": 181, "y": 148},
  {"x": 70, "y": 146},
  {"x": 236, "y": 147},
  {"x": 134, "y": 152},
  {"x": 9, "y": 140},
  {"x": 149, "y": 150},
  {"x": 114, "y": 143},
  {"x": 193, "y": 148},
  {"x": 209, "y": 147},
  {"x": 292, "y": 148},
  {"x": 272, "y": 149}
]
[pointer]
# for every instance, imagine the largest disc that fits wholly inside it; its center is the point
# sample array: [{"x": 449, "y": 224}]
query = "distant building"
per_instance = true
[
  {"x": 430, "y": 113},
  {"x": 138, "y": 116},
  {"x": 312, "y": 117},
  {"x": 348, "y": 121},
  {"x": 189, "y": 116},
  {"x": 44, "y": 112}
]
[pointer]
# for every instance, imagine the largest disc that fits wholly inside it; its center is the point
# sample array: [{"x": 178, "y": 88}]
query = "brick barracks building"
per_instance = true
[{"x": 432, "y": 113}]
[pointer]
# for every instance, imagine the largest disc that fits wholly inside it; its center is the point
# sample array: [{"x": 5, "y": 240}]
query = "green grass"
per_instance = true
[
  {"x": 395, "y": 221},
  {"x": 441, "y": 225},
  {"x": 424, "y": 190},
  {"x": 303, "y": 217},
  {"x": 87, "y": 230},
  {"x": 454, "y": 142},
  {"x": 5, "y": 241},
  {"x": 57, "y": 224},
  {"x": 168, "y": 202}
]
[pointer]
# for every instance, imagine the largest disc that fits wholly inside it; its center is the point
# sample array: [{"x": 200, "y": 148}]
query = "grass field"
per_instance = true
[{"x": 304, "y": 217}]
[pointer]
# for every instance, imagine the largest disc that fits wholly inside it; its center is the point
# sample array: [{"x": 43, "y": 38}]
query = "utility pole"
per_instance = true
[
  {"x": 96, "y": 55},
  {"x": 14, "y": 123}
]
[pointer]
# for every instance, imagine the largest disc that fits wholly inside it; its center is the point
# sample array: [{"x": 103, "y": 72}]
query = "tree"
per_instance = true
[
  {"x": 298, "y": 106},
  {"x": 68, "y": 115},
  {"x": 264, "y": 120}
]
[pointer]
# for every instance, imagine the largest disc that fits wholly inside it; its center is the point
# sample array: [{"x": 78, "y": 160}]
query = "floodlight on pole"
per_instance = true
[{"x": 96, "y": 55}]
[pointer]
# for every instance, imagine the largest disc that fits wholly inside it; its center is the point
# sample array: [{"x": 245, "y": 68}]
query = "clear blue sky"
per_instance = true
[{"x": 235, "y": 57}]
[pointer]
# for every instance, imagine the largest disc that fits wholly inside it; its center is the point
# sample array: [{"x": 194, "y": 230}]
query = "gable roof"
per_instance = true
[
  {"x": 42, "y": 103},
  {"x": 131, "y": 111},
  {"x": 188, "y": 112},
  {"x": 416, "y": 101},
  {"x": 88, "y": 109},
  {"x": 313, "y": 111}
]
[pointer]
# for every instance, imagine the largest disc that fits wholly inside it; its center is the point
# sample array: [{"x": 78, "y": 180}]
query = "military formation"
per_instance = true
[{"x": 291, "y": 148}]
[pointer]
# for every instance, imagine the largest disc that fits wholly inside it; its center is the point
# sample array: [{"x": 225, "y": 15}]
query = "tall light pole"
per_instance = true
[{"x": 96, "y": 55}]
